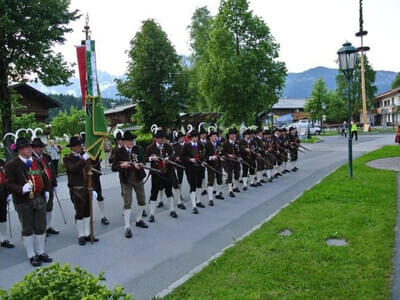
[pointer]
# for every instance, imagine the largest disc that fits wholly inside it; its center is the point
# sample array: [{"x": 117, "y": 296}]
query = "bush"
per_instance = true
[
  {"x": 60, "y": 282},
  {"x": 144, "y": 139}
]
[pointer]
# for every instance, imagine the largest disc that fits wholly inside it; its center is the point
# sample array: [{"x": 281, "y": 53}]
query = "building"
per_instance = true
[
  {"x": 121, "y": 114},
  {"x": 386, "y": 108},
  {"x": 32, "y": 100}
]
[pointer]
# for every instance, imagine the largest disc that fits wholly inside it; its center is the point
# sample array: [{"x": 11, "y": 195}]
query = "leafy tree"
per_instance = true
[
  {"x": 199, "y": 37},
  {"x": 242, "y": 75},
  {"x": 154, "y": 79},
  {"x": 396, "y": 82},
  {"x": 25, "y": 121},
  {"x": 28, "y": 31},
  {"x": 355, "y": 90},
  {"x": 336, "y": 108},
  {"x": 68, "y": 123},
  {"x": 319, "y": 95}
]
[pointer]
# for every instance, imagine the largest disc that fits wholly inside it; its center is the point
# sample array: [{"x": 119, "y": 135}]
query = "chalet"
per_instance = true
[
  {"x": 32, "y": 100},
  {"x": 386, "y": 108},
  {"x": 121, "y": 114}
]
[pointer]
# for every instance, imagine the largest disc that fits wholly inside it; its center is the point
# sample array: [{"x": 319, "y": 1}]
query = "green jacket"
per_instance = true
[{"x": 353, "y": 127}]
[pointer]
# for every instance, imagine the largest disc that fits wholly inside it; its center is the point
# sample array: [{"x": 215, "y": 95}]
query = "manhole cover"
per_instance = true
[
  {"x": 336, "y": 242},
  {"x": 285, "y": 232}
]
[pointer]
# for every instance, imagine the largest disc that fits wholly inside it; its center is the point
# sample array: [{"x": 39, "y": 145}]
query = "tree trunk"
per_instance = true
[{"x": 5, "y": 114}]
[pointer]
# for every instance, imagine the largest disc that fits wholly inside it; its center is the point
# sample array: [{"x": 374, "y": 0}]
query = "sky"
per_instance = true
[{"x": 309, "y": 31}]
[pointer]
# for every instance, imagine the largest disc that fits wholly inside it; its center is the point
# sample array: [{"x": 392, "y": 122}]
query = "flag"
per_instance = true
[
  {"x": 81, "y": 54},
  {"x": 96, "y": 126}
]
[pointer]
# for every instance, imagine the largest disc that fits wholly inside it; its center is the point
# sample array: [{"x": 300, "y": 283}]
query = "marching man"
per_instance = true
[
  {"x": 76, "y": 166},
  {"x": 128, "y": 162},
  {"x": 5, "y": 197},
  {"x": 30, "y": 187}
]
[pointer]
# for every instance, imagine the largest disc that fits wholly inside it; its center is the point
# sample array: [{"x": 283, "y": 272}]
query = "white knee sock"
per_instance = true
[
  {"x": 80, "y": 228},
  {"x": 269, "y": 173},
  {"x": 198, "y": 195},
  {"x": 245, "y": 181},
  {"x": 101, "y": 208},
  {"x": 177, "y": 195},
  {"x": 193, "y": 199},
  {"x": 210, "y": 191},
  {"x": 153, "y": 205},
  {"x": 230, "y": 187},
  {"x": 39, "y": 241},
  {"x": 171, "y": 204},
  {"x": 127, "y": 218},
  {"x": 139, "y": 213},
  {"x": 219, "y": 189},
  {"x": 3, "y": 231},
  {"x": 48, "y": 219},
  {"x": 284, "y": 165},
  {"x": 259, "y": 176},
  {"x": 161, "y": 196},
  {"x": 86, "y": 223},
  {"x": 29, "y": 246}
]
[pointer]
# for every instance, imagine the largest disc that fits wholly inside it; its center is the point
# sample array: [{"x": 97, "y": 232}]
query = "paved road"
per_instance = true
[{"x": 158, "y": 256}]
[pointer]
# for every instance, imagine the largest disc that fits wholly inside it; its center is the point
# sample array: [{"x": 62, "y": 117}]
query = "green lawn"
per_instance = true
[
  {"x": 267, "y": 266},
  {"x": 311, "y": 140}
]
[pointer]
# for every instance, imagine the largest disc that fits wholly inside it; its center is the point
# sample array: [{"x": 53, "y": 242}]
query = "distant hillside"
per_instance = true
[{"x": 298, "y": 85}]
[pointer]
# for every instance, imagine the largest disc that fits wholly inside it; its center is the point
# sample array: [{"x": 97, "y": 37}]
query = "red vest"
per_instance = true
[
  {"x": 35, "y": 176},
  {"x": 2, "y": 176}
]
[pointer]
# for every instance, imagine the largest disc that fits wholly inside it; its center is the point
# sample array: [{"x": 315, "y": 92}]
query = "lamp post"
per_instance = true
[
  {"x": 323, "y": 106},
  {"x": 347, "y": 56},
  {"x": 393, "y": 108}
]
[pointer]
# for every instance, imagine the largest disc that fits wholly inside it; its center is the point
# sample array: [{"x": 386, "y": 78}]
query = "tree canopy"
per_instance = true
[
  {"x": 396, "y": 81},
  {"x": 242, "y": 70},
  {"x": 154, "y": 78}
]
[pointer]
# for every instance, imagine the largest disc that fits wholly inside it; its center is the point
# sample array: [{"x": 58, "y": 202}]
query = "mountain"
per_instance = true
[{"x": 298, "y": 85}]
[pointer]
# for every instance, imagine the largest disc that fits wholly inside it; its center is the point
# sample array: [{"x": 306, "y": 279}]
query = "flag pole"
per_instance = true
[{"x": 86, "y": 30}]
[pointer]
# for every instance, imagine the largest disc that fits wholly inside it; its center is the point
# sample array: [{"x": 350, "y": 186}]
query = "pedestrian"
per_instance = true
[
  {"x": 54, "y": 151},
  {"x": 107, "y": 151},
  {"x": 344, "y": 129},
  {"x": 29, "y": 186},
  {"x": 354, "y": 130},
  {"x": 47, "y": 165}
]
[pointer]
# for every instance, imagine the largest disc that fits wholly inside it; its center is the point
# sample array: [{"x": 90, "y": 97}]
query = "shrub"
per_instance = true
[{"x": 62, "y": 282}]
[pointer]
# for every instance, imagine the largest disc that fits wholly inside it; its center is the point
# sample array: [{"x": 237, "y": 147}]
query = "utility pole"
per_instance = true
[{"x": 363, "y": 49}]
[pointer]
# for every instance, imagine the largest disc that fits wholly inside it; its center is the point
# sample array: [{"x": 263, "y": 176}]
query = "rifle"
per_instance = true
[
  {"x": 174, "y": 163},
  {"x": 59, "y": 204},
  {"x": 239, "y": 160},
  {"x": 211, "y": 168},
  {"x": 304, "y": 148},
  {"x": 295, "y": 145},
  {"x": 9, "y": 219}
]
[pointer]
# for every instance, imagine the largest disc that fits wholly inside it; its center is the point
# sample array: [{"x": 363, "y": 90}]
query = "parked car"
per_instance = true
[{"x": 314, "y": 130}]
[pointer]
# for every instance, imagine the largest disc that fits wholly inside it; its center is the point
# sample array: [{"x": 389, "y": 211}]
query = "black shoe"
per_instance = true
[
  {"x": 141, "y": 224},
  {"x": 263, "y": 181},
  {"x": 214, "y": 192},
  {"x": 45, "y": 258},
  {"x": 240, "y": 181},
  {"x": 211, "y": 203},
  {"x": 245, "y": 188},
  {"x": 279, "y": 174},
  {"x": 294, "y": 170},
  {"x": 199, "y": 204},
  {"x": 259, "y": 184},
  {"x": 181, "y": 206},
  {"x": 265, "y": 175},
  {"x": 128, "y": 233},
  {"x": 232, "y": 195},
  {"x": 7, "y": 244},
  {"x": 204, "y": 193},
  {"x": 95, "y": 239},
  {"x": 51, "y": 230},
  {"x": 195, "y": 211},
  {"x": 151, "y": 219},
  {"x": 219, "y": 197},
  {"x": 144, "y": 214},
  {"x": 160, "y": 204},
  {"x": 35, "y": 261},
  {"x": 276, "y": 176},
  {"x": 253, "y": 185},
  {"x": 236, "y": 190},
  {"x": 82, "y": 241},
  {"x": 270, "y": 180},
  {"x": 173, "y": 214},
  {"x": 104, "y": 221}
]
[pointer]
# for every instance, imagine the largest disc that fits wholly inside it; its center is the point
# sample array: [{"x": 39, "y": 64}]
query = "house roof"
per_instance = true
[
  {"x": 23, "y": 88},
  {"x": 120, "y": 108},
  {"x": 388, "y": 93},
  {"x": 290, "y": 104}
]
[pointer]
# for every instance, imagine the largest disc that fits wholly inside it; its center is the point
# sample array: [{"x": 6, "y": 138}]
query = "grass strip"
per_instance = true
[{"x": 265, "y": 265}]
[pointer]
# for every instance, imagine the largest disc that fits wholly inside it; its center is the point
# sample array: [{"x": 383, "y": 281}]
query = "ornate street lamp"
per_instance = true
[{"x": 347, "y": 58}]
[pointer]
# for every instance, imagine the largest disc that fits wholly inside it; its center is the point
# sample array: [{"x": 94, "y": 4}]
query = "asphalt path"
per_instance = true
[{"x": 170, "y": 248}]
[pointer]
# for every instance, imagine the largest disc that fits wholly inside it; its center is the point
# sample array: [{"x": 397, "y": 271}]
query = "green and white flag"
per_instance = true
[{"x": 96, "y": 126}]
